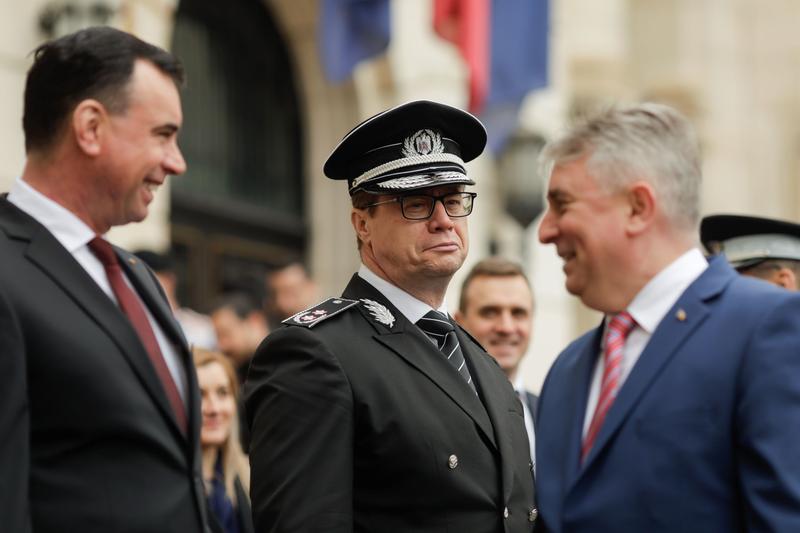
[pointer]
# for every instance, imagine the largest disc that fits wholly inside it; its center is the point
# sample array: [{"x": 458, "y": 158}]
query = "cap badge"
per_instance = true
[
  {"x": 423, "y": 142},
  {"x": 379, "y": 312}
]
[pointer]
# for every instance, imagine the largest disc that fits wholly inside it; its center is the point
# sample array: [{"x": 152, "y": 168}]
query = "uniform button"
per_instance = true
[
  {"x": 532, "y": 515},
  {"x": 530, "y": 465},
  {"x": 505, "y": 512},
  {"x": 452, "y": 461}
]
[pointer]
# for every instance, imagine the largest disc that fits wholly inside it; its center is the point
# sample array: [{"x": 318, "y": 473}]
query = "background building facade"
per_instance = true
[{"x": 261, "y": 118}]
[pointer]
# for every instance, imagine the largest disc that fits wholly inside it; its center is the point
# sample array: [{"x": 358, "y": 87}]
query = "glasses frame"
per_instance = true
[{"x": 439, "y": 198}]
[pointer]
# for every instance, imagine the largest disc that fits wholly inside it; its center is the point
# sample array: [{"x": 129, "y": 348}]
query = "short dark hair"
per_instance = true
[
  {"x": 491, "y": 267},
  {"x": 240, "y": 302},
  {"x": 93, "y": 63}
]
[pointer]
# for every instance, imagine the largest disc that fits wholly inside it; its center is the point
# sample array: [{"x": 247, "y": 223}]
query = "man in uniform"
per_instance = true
[
  {"x": 496, "y": 307},
  {"x": 374, "y": 411},
  {"x": 764, "y": 248}
]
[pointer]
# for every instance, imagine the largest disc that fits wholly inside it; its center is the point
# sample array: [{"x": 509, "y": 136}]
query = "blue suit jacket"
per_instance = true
[{"x": 704, "y": 435}]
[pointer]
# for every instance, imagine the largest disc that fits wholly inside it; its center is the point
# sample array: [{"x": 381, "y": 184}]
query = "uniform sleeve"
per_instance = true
[
  {"x": 768, "y": 422},
  {"x": 14, "y": 424},
  {"x": 300, "y": 412}
]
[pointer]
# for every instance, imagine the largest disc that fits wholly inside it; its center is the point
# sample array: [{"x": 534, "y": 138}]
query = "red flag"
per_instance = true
[{"x": 465, "y": 23}]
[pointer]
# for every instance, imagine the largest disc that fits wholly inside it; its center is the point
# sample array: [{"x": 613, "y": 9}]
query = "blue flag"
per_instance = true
[
  {"x": 351, "y": 31},
  {"x": 518, "y": 63}
]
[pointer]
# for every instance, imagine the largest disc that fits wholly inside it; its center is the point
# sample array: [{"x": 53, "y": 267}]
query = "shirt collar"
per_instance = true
[
  {"x": 65, "y": 226},
  {"x": 662, "y": 291},
  {"x": 411, "y": 308}
]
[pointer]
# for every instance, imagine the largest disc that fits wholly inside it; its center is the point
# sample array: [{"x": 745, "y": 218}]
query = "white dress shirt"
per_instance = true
[
  {"x": 74, "y": 235},
  {"x": 648, "y": 308},
  {"x": 412, "y": 308}
]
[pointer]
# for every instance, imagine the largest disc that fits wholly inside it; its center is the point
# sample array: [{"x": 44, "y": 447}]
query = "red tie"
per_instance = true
[
  {"x": 618, "y": 329},
  {"x": 132, "y": 307}
]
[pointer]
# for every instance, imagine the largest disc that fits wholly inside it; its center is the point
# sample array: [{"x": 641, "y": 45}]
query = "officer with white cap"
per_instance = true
[
  {"x": 374, "y": 411},
  {"x": 755, "y": 246}
]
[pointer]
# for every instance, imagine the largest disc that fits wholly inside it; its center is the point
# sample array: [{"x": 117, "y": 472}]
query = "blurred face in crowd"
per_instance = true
[
  {"x": 138, "y": 149},
  {"x": 406, "y": 251},
  {"x": 587, "y": 225},
  {"x": 291, "y": 291},
  {"x": 234, "y": 335},
  {"x": 498, "y": 312},
  {"x": 218, "y": 404}
]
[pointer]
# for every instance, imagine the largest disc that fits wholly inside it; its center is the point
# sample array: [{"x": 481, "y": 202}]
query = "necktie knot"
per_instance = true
[
  {"x": 619, "y": 327},
  {"x": 102, "y": 249},
  {"x": 440, "y": 330},
  {"x": 435, "y": 323}
]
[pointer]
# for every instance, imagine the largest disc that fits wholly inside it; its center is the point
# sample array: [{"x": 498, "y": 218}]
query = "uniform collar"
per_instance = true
[{"x": 411, "y": 308}]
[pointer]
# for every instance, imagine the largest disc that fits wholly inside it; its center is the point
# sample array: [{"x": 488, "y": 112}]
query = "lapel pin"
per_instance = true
[
  {"x": 680, "y": 314},
  {"x": 131, "y": 260}
]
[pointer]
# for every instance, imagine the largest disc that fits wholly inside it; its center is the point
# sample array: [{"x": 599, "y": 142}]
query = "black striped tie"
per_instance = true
[{"x": 442, "y": 332}]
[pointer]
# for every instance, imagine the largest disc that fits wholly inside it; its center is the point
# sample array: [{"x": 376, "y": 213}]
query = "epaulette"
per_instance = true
[{"x": 322, "y": 311}]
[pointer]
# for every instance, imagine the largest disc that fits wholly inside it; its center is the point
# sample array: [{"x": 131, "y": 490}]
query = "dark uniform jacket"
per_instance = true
[
  {"x": 359, "y": 423},
  {"x": 88, "y": 441}
]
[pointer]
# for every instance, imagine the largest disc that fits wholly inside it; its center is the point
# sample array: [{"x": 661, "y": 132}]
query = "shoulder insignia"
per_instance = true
[
  {"x": 379, "y": 312},
  {"x": 322, "y": 311}
]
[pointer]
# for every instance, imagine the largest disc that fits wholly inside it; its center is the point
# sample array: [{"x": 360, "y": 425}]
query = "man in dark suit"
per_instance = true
[
  {"x": 373, "y": 411},
  {"x": 682, "y": 410},
  {"x": 100, "y": 404},
  {"x": 496, "y": 307},
  {"x": 765, "y": 248}
]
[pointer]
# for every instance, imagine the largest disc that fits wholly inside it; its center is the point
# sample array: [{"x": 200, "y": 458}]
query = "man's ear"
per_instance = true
[
  {"x": 786, "y": 278},
  {"x": 642, "y": 205},
  {"x": 361, "y": 223},
  {"x": 89, "y": 121}
]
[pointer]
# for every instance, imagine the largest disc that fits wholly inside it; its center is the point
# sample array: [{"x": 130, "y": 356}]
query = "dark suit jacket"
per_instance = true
[
  {"x": 360, "y": 426},
  {"x": 89, "y": 442},
  {"x": 704, "y": 435}
]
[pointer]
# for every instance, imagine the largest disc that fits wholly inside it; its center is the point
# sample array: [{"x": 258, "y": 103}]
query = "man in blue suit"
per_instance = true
[{"x": 681, "y": 411}]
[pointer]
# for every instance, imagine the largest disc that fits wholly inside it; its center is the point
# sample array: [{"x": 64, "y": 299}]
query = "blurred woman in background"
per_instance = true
[{"x": 226, "y": 472}]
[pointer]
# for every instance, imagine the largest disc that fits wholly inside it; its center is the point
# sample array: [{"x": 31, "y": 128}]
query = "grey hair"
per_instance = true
[{"x": 645, "y": 141}]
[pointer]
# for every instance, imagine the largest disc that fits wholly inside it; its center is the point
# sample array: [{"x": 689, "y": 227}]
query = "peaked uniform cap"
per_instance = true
[
  {"x": 412, "y": 146},
  {"x": 746, "y": 240}
]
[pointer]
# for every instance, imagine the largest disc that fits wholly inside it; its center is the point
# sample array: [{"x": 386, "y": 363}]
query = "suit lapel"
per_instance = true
[
  {"x": 674, "y": 329},
  {"x": 407, "y": 341},
  {"x": 48, "y": 255},
  {"x": 487, "y": 378},
  {"x": 156, "y": 302}
]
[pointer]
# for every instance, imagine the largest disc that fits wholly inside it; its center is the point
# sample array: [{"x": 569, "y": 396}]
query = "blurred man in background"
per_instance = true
[
  {"x": 764, "y": 248},
  {"x": 240, "y": 327},
  {"x": 496, "y": 307},
  {"x": 290, "y": 290}
]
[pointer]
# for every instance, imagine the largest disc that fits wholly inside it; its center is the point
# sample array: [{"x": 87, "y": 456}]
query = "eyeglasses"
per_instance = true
[{"x": 421, "y": 206}]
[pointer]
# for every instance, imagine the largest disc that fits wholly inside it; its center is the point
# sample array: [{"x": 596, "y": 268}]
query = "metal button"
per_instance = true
[
  {"x": 530, "y": 465},
  {"x": 452, "y": 461},
  {"x": 505, "y": 512},
  {"x": 533, "y": 514}
]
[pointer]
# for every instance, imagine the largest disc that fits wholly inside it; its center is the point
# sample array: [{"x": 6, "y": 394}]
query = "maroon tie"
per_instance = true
[
  {"x": 132, "y": 307},
  {"x": 618, "y": 329}
]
